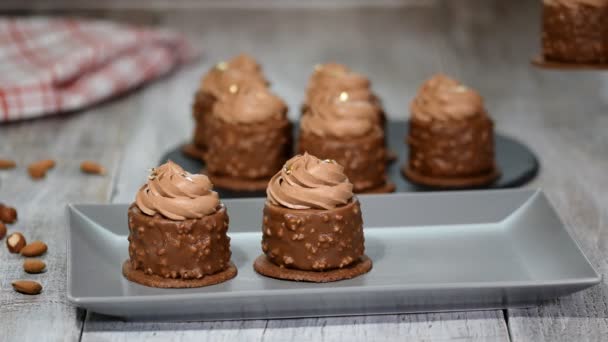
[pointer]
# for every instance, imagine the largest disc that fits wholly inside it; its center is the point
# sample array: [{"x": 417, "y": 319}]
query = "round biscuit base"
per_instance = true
[
  {"x": 238, "y": 184},
  {"x": 266, "y": 268},
  {"x": 541, "y": 62},
  {"x": 450, "y": 182},
  {"x": 140, "y": 277}
]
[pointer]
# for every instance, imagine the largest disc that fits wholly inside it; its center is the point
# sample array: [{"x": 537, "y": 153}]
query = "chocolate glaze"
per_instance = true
[
  {"x": 251, "y": 152},
  {"x": 454, "y": 148},
  {"x": 312, "y": 239},
  {"x": 189, "y": 249},
  {"x": 575, "y": 34},
  {"x": 363, "y": 158}
]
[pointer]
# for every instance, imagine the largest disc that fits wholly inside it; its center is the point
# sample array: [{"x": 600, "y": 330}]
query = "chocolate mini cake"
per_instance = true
[
  {"x": 345, "y": 128},
  {"x": 575, "y": 31},
  {"x": 451, "y": 137},
  {"x": 239, "y": 71},
  {"x": 312, "y": 228},
  {"x": 248, "y": 138},
  {"x": 177, "y": 232}
]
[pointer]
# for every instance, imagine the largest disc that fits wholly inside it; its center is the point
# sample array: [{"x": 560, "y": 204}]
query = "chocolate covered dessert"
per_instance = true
[
  {"x": 312, "y": 226},
  {"x": 451, "y": 137},
  {"x": 345, "y": 127},
  {"x": 219, "y": 81},
  {"x": 248, "y": 138},
  {"x": 177, "y": 232},
  {"x": 575, "y": 31}
]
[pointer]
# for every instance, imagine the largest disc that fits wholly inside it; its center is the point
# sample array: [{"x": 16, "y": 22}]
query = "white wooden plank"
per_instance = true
[
  {"x": 462, "y": 326},
  {"x": 41, "y": 206}
]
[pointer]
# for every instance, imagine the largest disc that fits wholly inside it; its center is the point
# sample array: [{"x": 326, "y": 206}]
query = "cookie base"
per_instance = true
[
  {"x": 541, "y": 62},
  {"x": 449, "y": 182},
  {"x": 266, "y": 268},
  {"x": 140, "y": 277},
  {"x": 238, "y": 184}
]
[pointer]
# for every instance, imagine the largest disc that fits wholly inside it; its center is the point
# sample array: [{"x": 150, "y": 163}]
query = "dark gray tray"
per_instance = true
[
  {"x": 431, "y": 252},
  {"x": 517, "y": 163}
]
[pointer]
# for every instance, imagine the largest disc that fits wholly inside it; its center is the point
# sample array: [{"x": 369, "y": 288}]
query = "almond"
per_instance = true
[
  {"x": 34, "y": 249},
  {"x": 7, "y": 164},
  {"x": 27, "y": 287},
  {"x": 2, "y": 230},
  {"x": 92, "y": 167},
  {"x": 15, "y": 242},
  {"x": 34, "y": 266},
  {"x": 38, "y": 169},
  {"x": 8, "y": 214}
]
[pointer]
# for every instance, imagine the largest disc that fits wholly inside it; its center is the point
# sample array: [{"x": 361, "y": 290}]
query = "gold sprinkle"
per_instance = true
[
  {"x": 222, "y": 66},
  {"x": 287, "y": 170},
  {"x": 233, "y": 89},
  {"x": 329, "y": 161},
  {"x": 343, "y": 96},
  {"x": 460, "y": 89}
]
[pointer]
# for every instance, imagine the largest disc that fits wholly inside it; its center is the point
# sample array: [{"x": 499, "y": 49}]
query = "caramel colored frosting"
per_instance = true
[
  {"x": 249, "y": 104},
  {"x": 240, "y": 71},
  {"x": 306, "y": 182},
  {"x": 575, "y": 3},
  {"x": 177, "y": 194},
  {"x": 349, "y": 114},
  {"x": 335, "y": 78},
  {"x": 442, "y": 98}
]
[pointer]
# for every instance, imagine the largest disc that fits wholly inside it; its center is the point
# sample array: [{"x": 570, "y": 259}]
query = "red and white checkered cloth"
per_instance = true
[{"x": 49, "y": 66}]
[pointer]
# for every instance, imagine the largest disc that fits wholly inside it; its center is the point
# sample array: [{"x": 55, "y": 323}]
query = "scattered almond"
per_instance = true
[
  {"x": 34, "y": 249},
  {"x": 7, "y": 164},
  {"x": 34, "y": 266},
  {"x": 38, "y": 169},
  {"x": 92, "y": 167},
  {"x": 8, "y": 214},
  {"x": 15, "y": 242},
  {"x": 2, "y": 230},
  {"x": 29, "y": 287}
]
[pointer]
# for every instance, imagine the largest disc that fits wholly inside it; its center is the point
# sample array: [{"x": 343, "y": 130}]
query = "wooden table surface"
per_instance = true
[{"x": 562, "y": 116}]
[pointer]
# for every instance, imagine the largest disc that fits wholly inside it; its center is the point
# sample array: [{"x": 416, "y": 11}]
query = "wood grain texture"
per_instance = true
[
  {"x": 41, "y": 207},
  {"x": 486, "y": 44},
  {"x": 462, "y": 326}
]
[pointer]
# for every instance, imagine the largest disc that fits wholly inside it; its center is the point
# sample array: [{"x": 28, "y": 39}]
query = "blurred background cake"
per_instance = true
[
  {"x": 247, "y": 137},
  {"x": 575, "y": 31},
  {"x": 451, "y": 137},
  {"x": 345, "y": 126},
  {"x": 237, "y": 72}
]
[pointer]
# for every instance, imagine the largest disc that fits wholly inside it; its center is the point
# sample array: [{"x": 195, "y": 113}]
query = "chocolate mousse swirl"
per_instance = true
[
  {"x": 349, "y": 114},
  {"x": 177, "y": 194},
  {"x": 442, "y": 98},
  {"x": 249, "y": 104},
  {"x": 306, "y": 182},
  {"x": 335, "y": 78},
  {"x": 241, "y": 70}
]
